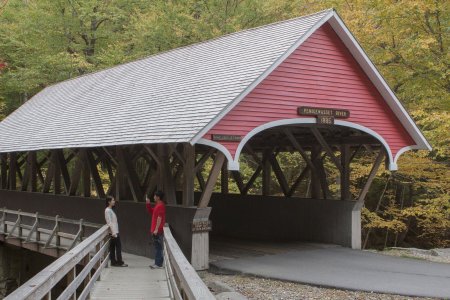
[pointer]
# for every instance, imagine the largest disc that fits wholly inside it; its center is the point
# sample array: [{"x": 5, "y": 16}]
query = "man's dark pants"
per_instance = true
[
  {"x": 158, "y": 243},
  {"x": 115, "y": 250}
]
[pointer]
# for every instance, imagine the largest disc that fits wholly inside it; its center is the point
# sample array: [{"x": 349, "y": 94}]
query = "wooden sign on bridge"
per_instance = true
[{"x": 324, "y": 115}]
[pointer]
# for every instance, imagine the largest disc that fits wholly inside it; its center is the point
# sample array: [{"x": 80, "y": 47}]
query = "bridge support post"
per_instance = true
[
  {"x": 9, "y": 271},
  {"x": 356, "y": 211},
  {"x": 200, "y": 239}
]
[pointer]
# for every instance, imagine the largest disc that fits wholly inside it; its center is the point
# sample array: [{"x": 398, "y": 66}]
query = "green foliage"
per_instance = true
[
  {"x": 46, "y": 41},
  {"x": 433, "y": 220}
]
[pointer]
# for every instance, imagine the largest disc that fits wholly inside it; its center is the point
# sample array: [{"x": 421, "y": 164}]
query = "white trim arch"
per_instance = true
[
  {"x": 302, "y": 121},
  {"x": 232, "y": 165},
  {"x": 403, "y": 150}
]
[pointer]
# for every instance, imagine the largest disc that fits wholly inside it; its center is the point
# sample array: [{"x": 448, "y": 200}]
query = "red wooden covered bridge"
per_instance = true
[{"x": 302, "y": 86}]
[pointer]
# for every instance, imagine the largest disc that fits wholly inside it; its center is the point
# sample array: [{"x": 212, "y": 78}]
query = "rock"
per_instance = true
[{"x": 231, "y": 296}]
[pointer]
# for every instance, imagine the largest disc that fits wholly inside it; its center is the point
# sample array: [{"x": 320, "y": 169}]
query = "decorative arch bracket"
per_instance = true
[{"x": 233, "y": 160}]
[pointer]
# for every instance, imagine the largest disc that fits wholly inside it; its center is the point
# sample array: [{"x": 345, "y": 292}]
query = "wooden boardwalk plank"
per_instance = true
[{"x": 137, "y": 281}]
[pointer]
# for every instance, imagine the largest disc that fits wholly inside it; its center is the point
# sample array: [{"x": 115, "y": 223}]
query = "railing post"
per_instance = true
[
  {"x": 70, "y": 277},
  {"x": 58, "y": 238},
  {"x": 106, "y": 240},
  {"x": 19, "y": 220},
  {"x": 38, "y": 233},
  {"x": 88, "y": 277},
  {"x": 3, "y": 221},
  {"x": 48, "y": 296},
  {"x": 82, "y": 228},
  {"x": 54, "y": 231},
  {"x": 99, "y": 263},
  {"x": 34, "y": 228},
  {"x": 17, "y": 223}
]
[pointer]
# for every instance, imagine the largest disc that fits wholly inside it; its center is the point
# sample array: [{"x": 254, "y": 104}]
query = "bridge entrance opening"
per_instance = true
[{"x": 296, "y": 184}]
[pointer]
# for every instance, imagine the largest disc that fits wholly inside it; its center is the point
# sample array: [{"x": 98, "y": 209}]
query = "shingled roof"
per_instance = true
[
  {"x": 170, "y": 97},
  {"x": 164, "y": 98}
]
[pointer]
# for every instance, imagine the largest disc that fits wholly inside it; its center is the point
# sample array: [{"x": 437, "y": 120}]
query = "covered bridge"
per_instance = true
[{"x": 164, "y": 122}]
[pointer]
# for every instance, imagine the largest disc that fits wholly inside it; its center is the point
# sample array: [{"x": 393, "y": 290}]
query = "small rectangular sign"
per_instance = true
[
  {"x": 201, "y": 226},
  {"x": 226, "y": 138},
  {"x": 317, "y": 111},
  {"x": 327, "y": 120}
]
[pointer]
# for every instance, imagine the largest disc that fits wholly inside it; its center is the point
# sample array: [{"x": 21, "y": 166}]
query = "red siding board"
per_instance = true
[{"x": 322, "y": 73}]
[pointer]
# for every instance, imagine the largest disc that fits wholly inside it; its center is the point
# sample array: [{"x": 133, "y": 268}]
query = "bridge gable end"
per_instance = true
[{"x": 320, "y": 73}]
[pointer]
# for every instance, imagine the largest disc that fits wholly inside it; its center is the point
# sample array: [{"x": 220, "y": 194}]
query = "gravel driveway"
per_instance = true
[{"x": 343, "y": 268}]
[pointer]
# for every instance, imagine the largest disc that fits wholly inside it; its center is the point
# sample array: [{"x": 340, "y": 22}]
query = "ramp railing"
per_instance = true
[
  {"x": 49, "y": 235},
  {"x": 184, "y": 282},
  {"x": 78, "y": 269}
]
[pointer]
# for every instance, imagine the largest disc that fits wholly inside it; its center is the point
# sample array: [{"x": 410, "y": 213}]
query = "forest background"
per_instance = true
[{"x": 46, "y": 41}]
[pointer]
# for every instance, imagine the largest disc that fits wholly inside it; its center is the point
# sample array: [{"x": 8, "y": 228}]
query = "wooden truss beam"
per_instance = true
[
  {"x": 95, "y": 175},
  {"x": 214, "y": 174},
  {"x": 279, "y": 173},
  {"x": 130, "y": 174},
  {"x": 326, "y": 147},
  {"x": 373, "y": 172}
]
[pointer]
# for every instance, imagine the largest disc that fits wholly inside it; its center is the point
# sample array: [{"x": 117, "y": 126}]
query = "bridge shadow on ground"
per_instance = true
[{"x": 331, "y": 266}]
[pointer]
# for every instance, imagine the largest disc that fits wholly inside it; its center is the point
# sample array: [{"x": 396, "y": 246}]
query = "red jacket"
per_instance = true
[{"x": 158, "y": 211}]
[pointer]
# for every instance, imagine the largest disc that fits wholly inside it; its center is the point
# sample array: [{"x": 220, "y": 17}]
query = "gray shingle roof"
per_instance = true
[{"x": 163, "y": 98}]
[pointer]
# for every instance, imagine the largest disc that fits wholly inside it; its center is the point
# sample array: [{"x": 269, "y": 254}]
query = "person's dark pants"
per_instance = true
[
  {"x": 115, "y": 251},
  {"x": 158, "y": 243}
]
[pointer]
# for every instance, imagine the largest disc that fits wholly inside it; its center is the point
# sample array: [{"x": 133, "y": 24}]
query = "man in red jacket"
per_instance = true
[{"x": 158, "y": 214}]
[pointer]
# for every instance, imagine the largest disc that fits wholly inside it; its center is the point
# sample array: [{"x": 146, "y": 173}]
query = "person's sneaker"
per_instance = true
[
  {"x": 155, "y": 267},
  {"x": 123, "y": 265}
]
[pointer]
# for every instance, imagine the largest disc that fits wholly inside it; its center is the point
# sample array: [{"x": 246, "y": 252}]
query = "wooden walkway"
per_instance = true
[{"x": 137, "y": 281}]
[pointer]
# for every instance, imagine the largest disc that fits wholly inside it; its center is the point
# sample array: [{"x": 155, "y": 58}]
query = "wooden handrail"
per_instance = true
[
  {"x": 92, "y": 252},
  {"x": 41, "y": 285},
  {"x": 48, "y": 218},
  {"x": 184, "y": 282}
]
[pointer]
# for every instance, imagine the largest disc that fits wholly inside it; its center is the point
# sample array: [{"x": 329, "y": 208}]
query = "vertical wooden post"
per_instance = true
[
  {"x": 315, "y": 179},
  {"x": 85, "y": 174},
  {"x": 188, "y": 174},
  {"x": 266, "y": 174},
  {"x": 345, "y": 172},
  {"x": 76, "y": 175},
  {"x": 168, "y": 185},
  {"x": 356, "y": 211},
  {"x": 26, "y": 174},
  {"x": 12, "y": 171},
  {"x": 121, "y": 188},
  {"x": 33, "y": 171},
  {"x": 4, "y": 170},
  {"x": 57, "y": 182},
  {"x": 200, "y": 240},
  {"x": 161, "y": 167},
  {"x": 224, "y": 179}
]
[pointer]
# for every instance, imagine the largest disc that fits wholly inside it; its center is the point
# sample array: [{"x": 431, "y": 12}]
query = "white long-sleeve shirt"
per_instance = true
[{"x": 111, "y": 221}]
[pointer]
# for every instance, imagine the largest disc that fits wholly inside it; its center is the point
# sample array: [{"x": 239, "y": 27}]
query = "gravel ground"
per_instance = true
[
  {"x": 435, "y": 255},
  {"x": 265, "y": 289}
]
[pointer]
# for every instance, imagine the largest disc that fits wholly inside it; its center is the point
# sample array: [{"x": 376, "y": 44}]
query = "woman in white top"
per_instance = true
[{"x": 115, "y": 246}]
